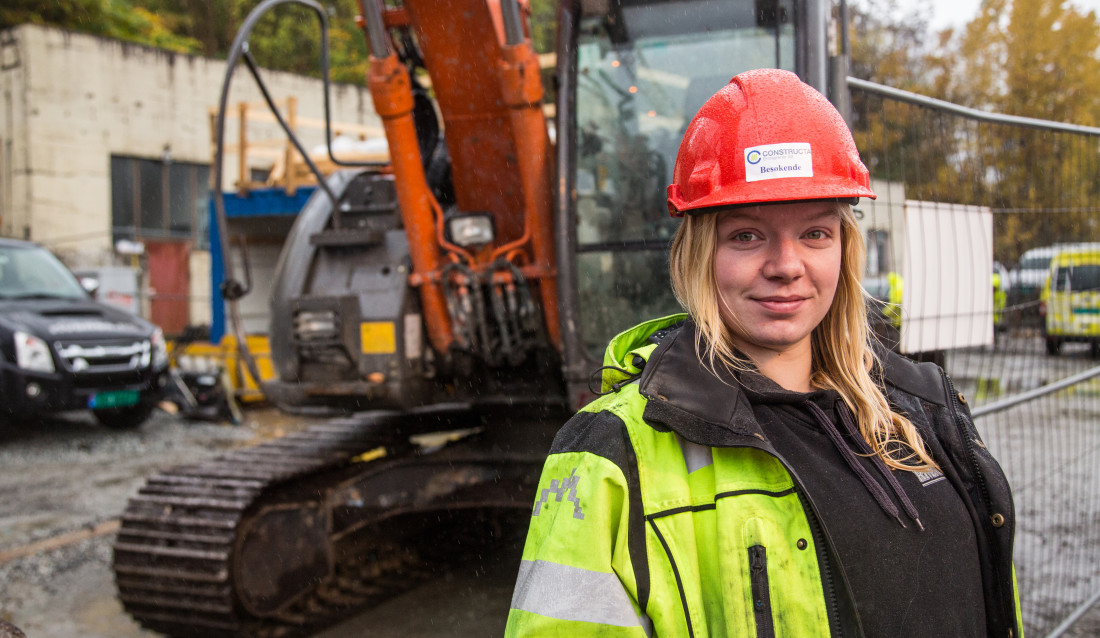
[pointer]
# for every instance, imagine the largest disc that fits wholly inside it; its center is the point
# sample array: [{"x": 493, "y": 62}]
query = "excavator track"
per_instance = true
[{"x": 294, "y": 534}]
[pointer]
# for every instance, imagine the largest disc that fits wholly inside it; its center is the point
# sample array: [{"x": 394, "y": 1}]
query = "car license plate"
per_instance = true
[{"x": 114, "y": 399}]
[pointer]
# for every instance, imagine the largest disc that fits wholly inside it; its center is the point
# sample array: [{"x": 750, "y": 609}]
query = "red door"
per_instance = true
[{"x": 169, "y": 284}]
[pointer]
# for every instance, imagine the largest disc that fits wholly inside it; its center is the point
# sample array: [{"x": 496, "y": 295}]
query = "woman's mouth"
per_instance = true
[{"x": 781, "y": 304}]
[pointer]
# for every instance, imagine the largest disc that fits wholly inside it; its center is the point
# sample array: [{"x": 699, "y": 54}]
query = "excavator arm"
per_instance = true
[{"x": 485, "y": 77}]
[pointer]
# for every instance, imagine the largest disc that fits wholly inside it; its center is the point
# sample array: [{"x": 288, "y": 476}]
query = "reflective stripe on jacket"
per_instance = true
[{"x": 665, "y": 514}]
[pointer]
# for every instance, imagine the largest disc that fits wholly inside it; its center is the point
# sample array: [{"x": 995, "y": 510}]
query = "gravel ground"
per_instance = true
[
  {"x": 68, "y": 476},
  {"x": 1048, "y": 448}
]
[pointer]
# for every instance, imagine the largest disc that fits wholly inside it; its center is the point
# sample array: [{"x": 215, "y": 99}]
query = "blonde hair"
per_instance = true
[{"x": 843, "y": 359}]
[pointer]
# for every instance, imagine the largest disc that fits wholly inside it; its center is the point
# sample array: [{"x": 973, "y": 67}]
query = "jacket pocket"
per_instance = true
[{"x": 761, "y": 599}]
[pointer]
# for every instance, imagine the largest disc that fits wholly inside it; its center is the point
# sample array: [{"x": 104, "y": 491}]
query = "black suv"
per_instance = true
[{"x": 62, "y": 350}]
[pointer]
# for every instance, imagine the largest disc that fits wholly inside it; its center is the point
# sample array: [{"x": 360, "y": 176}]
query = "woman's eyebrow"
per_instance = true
[
  {"x": 740, "y": 217},
  {"x": 827, "y": 213}
]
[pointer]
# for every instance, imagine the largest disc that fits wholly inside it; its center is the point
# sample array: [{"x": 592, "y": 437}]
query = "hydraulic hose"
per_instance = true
[{"x": 232, "y": 289}]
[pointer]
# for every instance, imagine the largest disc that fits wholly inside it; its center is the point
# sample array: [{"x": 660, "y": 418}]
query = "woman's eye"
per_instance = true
[
  {"x": 744, "y": 236},
  {"x": 817, "y": 234}
]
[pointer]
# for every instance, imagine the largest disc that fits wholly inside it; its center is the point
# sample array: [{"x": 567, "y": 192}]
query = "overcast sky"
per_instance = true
[{"x": 956, "y": 13}]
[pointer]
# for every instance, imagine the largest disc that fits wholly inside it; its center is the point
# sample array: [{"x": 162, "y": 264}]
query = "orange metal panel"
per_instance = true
[
  {"x": 462, "y": 50},
  {"x": 392, "y": 94}
]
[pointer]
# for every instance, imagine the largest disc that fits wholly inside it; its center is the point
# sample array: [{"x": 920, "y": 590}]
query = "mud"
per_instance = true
[{"x": 67, "y": 475}]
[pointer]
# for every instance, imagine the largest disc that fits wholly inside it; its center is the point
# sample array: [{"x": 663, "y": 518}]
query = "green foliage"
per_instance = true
[
  {"x": 87, "y": 15},
  {"x": 887, "y": 45},
  {"x": 118, "y": 19},
  {"x": 544, "y": 25},
  {"x": 287, "y": 38},
  {"x": 1032, "y": 58},
  {"x": 1037, "y": 58}
]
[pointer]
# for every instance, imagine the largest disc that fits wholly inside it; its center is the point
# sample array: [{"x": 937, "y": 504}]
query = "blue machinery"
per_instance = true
[{"x": 258, "y": 204}]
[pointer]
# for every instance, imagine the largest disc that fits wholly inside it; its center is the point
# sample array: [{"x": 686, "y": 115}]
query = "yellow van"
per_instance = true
[{"x": 1070, "y": 300}]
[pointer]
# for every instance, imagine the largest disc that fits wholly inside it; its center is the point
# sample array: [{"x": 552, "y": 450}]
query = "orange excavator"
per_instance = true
[{"x": 453, "y": 302}]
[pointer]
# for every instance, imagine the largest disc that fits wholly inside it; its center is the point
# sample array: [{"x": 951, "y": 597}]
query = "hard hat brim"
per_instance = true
[{"x": 792, "y": 189}]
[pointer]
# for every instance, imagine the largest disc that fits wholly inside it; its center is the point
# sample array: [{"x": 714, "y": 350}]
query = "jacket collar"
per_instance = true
[{"x": 686, "y": 397}]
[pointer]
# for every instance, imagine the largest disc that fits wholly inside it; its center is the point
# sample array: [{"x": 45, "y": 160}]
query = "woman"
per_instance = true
[{"x": 758, "y": 467}]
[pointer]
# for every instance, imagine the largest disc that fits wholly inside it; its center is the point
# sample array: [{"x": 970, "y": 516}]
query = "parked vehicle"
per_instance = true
[
  {"x": 1070, "y": 300},
  {"x": 1029, "y": 275},
  {"x": 63, "y": 350}
]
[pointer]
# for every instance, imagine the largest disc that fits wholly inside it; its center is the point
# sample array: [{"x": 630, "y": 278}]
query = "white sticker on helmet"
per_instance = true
[{"x": 773, "y": 161}]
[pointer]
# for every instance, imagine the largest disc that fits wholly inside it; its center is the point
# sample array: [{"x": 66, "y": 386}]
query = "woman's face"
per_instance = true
[{"x": 777, "y": 268}]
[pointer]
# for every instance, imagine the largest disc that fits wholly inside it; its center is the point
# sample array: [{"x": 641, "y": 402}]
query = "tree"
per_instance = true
[
  {"x": 1035, "y": 58},
  {"x": 118, "y": 19},
  {"x": 897, "y": 142},
  {"x": 544, "y": 25},
  {"x": 888, "y": 45}
]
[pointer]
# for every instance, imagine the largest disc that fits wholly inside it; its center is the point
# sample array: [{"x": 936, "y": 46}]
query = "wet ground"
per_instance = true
[{"x": 64, "y": 482}]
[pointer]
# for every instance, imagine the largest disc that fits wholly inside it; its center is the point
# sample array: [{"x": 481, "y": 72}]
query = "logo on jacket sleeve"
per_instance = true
[{"x": 562, "y": 488}]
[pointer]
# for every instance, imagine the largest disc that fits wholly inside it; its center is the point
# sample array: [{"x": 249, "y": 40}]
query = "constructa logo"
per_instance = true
[{"x": 775, "y": 161}]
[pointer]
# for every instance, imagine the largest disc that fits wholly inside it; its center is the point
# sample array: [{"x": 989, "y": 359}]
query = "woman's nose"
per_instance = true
[{"x": 784, "y": 261}]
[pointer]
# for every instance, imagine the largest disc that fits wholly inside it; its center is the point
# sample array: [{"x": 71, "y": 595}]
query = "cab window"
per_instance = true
[{"x": 639, "y": 83}]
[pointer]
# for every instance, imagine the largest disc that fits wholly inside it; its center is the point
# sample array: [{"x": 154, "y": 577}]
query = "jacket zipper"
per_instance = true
[
  {"x": 821, "y": 538},
  {"x": 827, "y": 583},
  {"x": 975, "y": 467},
  {"x": 761, "y": 599},
  {"x": 968, "y": 439}
]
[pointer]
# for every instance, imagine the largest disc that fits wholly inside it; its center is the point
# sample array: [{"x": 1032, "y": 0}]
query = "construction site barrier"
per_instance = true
[{"x": 1036, "y": 402}]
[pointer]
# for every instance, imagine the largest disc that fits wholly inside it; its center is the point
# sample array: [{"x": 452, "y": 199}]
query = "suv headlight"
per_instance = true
[
  {"x": 32, "y": 353},
  {"x": 160, "y": 349}
]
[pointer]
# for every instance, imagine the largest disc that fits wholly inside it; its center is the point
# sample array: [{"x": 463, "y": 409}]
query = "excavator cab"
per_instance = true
[{"x": 631, "y": 77}]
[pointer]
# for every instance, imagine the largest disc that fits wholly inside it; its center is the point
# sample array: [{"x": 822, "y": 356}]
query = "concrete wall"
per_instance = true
[{"x": 69, "y": 101}]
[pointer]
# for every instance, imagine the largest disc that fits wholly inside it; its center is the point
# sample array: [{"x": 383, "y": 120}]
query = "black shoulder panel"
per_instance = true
[
  {"x": 600, "y": 433},
  {"x": 923, "y": 380}
]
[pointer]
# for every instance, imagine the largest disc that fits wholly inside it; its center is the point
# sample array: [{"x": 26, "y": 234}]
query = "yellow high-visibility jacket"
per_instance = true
[{"x": 657, "y": 517}]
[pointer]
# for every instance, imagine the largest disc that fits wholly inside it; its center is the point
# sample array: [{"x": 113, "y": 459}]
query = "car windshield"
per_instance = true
[
  {"x": 32, "y": 272},
  {"x": 1081, "y": 278}
]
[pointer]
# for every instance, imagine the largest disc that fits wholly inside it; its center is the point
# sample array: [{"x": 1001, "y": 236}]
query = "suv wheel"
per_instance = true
[{"x": 123, "y": 418}]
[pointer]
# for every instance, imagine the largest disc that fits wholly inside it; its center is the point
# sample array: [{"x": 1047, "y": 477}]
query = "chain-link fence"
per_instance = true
[{"x": 983, "y": 229}]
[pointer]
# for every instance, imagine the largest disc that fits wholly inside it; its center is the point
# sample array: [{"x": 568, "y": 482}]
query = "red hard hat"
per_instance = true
[{"x": 765, "y": 137}]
